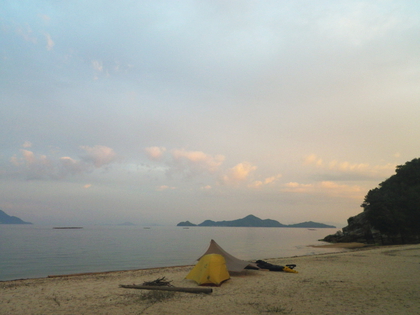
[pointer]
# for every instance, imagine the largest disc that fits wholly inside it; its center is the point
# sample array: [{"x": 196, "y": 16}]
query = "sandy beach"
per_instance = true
[{"x": 369, "y": 280}]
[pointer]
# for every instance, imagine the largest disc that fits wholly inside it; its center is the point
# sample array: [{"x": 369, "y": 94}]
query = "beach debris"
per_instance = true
[
  {"x": 166, "y": 288},
  {"x": 164, "y": 284},
  {"x": 159, "y": 282}
]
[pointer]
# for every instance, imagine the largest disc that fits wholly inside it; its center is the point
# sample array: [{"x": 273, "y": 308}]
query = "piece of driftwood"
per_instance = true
[
  {"x": 159, "y": 282},
  {"x": 164, "y": 288}
]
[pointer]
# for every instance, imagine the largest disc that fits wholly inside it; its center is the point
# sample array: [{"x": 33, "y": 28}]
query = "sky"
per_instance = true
[{"x": 156, "y": 112}]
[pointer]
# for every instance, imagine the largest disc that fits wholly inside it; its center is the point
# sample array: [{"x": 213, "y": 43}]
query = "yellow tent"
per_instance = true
[
  {"x": 210, "y": 270},
  {"x": 233, "y": 264}
]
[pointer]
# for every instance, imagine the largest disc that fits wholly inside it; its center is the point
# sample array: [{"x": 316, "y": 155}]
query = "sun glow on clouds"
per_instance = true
[
  {"x": 267, "y": 181},
  {"x": 238, "y": 173},
  {"x": 325, "y": 188},
  {"x": 347, "y": 167},
  {"x": 204, "y": 161},
  {"x": 27, "y": 144},
  {"x": 155, "y": 153},
  {"x": 181, "y": 161},
  {"x": 99, "y": 155},
  {"x": 342, "y": 170},
  {"x": 165, "y": 187},
  {"x": 194, "y": 163},
  {"x": 39, "y": 166}
]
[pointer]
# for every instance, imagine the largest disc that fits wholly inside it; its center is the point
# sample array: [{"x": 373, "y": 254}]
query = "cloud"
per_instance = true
[
  {"x": 256, "y": 184},
  {"x": 237, "y": 174},
  {"x": 271, "y": 179},
  {"x": 29, "y": 157},
  {"x": 50, "y": 42},
  {"x": 33, "y": 166},
  {"x": 184, "y": 162},
  {"x": 360, "y": 22},
  {"x": 66, "y": 166},
  {"x": 44, "y": 17},
  {"x": 99, "y": 155},
  {"x": 97, "y": 65},
  {"x": 87, "y": 186},
  {"x": 39, "y": 166},
  {"x": 193, "y": 163},
  {"x": 267, "y": 181},
  {"x": 100, "y": 70},
  {"x": 155, "y": 153},
  {"x": 27, "y": 34},
  {"x": 325, "y": 188},
  {"x": 197, "y": 160},
  {"x": 27, "y": 144},
  {"x": 345, "y": 168},
  {"x": 164, "y": 187},
  {"x": 313, "y": 159}
]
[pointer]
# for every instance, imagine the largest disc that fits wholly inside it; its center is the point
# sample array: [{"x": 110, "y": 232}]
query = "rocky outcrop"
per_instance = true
[
  {"x": 393, "y": 208},
  {"x": 361, "y": 231},
  {"x": 358, "y": 230}
]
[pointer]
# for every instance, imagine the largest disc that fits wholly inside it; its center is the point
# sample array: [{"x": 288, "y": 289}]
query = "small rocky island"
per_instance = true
[
  {"x": 7, "y": 219},
  {"x": 253, "y": 221}
]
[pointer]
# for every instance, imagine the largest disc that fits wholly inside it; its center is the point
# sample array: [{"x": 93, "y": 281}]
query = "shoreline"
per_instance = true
[
  {"x": 343, "y": 246},
  {"x": 367, "y": 280},
  {"x": 171, "y": 246},
  {"x": 332, "y": 245},
  {"x": 352, "y": 245}
]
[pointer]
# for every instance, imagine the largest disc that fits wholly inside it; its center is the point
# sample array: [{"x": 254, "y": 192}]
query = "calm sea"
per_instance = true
[{"x": 30, "y": 251}]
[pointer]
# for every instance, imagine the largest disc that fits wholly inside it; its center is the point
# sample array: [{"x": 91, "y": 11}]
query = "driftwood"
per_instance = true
[
  {"x": 159, "y": 282},
  {"x": 165, "y": 288}
]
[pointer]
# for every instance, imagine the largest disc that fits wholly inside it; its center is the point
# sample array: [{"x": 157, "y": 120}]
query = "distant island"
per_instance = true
[
  {"x": 253, "y": 221},
  {"x": 67, "y": 227},
  {"x": 126, "y": 224},
  {"x": 7, "y": 219}
]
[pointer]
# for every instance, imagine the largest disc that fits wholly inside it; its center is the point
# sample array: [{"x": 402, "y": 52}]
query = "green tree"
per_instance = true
[{"x": 394, "y": 207}]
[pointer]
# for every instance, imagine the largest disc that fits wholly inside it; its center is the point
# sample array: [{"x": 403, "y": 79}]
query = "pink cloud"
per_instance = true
[
  {"x": 155, "y": 153},
  {"x": 238, "y": 173},
  {"x": 99, "y": 155},
  {"x": 38, "y": 166},
  {"x": 325, "y": 188},
  {"x": 184, "y": 162},
  {"x": 164, "y": 187},
  {"x": 197, "y": 160},
  {"x": 27, "y": 144},
  {"x": 266, "y": 181},
  {"x": 346, "y": 167}
]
